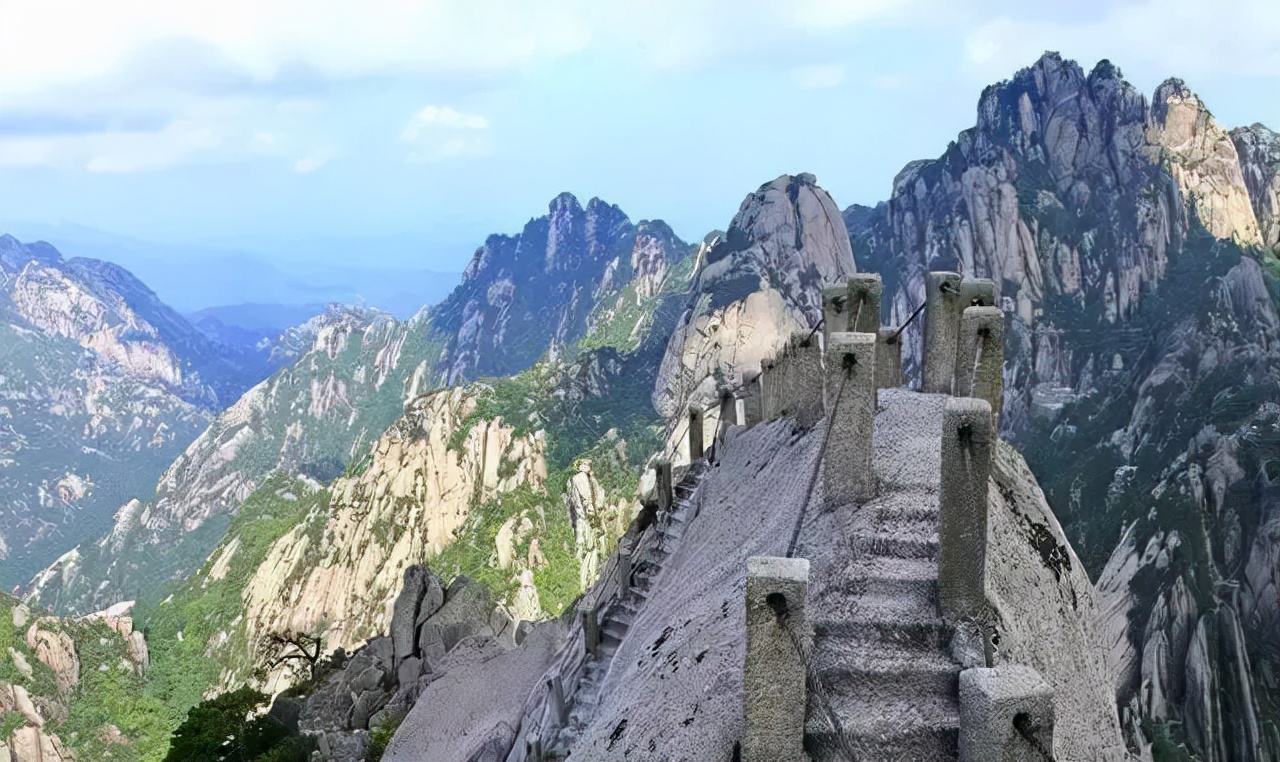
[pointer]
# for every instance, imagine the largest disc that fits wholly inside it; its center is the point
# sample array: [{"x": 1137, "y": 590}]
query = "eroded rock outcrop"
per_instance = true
[
  {"x": 753, "y": 287},
  {"x": 419, "y": 488}
]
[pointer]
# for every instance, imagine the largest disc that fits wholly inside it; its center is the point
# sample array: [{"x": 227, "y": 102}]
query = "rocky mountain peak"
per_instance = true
[
  {"x": 527, "y": 294},
  {"x": 1259, "y": 150},
  {"x": 788, "y": 233}
]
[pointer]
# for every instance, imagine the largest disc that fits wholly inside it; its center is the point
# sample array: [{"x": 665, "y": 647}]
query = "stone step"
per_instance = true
[
  {"x": 880, "y": 672},
  {"x": 918, "y": 744},
  {"x": 913, "y": 540},
  {"x": 933, "y": 635},
  {"x": 889, "y": 607},
  {"x": 906, "y": 591}
]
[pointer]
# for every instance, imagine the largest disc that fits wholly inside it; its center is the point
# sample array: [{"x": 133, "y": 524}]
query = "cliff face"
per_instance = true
[
  {"x": 754, "y": 286},
  {"x": 1130, "y": 246},
  {"x": 531, "y": 295},
  {"x": 101, "y": 385},
  {"x": 352, "y": 373}
]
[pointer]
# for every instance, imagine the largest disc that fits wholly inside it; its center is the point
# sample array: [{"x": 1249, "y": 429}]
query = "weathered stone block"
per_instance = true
[
  {"x": 752, "y": 410},
  {"x": 774, "y": 694},
  {"x": 941, "y": 330},
  {"x": 888, "y": 359},
  {"x": 1006, "y": 715},
  {"x": 695, "y": 433},
  {"x": 980, "y": 356},
  {"x": 405, "y": 612},
  {"x": 847, "y": 474},
  {"x": 728, "y": 413},
  {"x": 804, "y": 392},
  {"x": 768, "y": 390},
  {"x": 662, "y": 475},
  {"x": 835, "y": 312},
  {"x": 962, "y": 507},
  {"x": 865, "y": 292},
  {"x": 977, "y": 292}
]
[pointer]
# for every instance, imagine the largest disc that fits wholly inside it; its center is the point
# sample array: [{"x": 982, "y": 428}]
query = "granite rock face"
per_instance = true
[
  {"x": 754, "y": 286},
  {"x": 1259, "y": 152},
  {"x": 352, "y": 374},
  {"x": 531, "y": 295},
  {"x": 1130, "y": 242},
  {"x": 101, "y": 385}
]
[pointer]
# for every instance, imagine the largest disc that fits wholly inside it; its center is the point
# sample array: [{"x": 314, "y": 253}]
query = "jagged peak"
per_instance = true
[
  {"x": 565, "y": 201},
  {"x": 1173, "y": 91}
]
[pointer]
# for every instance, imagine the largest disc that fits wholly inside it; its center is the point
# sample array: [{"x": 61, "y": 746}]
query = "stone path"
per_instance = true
[
  {"x": 652, "y": 548},
  {"x": 880, "y": 647}
]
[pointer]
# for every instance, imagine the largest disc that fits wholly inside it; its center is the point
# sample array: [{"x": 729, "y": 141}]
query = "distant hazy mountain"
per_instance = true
[
  {"x": 192, "y": 278},
  {"x": 101, "y": 386}
]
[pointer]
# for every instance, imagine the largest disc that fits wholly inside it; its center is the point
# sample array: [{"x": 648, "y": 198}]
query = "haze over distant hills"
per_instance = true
[{"x": 192, "y": 277}]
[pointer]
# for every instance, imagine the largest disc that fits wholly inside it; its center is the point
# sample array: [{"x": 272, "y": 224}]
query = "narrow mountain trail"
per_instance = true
[{"x": 880, "y": 647}]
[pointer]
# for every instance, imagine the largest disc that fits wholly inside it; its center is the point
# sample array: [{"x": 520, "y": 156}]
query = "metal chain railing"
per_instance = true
[
  {"x": 813, "y": 682},
  {"x": 817, "y": 465}
]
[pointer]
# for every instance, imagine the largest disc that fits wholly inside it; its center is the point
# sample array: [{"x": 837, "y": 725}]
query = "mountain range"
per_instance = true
[{"x": 501, "y": 435}]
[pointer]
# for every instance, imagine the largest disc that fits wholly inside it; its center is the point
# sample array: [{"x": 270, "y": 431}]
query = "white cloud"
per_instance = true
[
  {"x": 1184, "y": 38},
  {"x": 312, "y": 162},
  {"x": 818, "y": 77},
  {"x": 441, "y": 133},
  {"x": 441, "y": 117}
]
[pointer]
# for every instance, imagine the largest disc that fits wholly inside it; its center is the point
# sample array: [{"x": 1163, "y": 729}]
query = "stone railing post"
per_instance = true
[
  {"x": 888, "y": 359},
  {"x": 624, "y": 572},
  {"x": 980, "y": 356},
  {"x": 768, "y": 389},
  {"x": 847, "y": 474},
  {"x": 962, "y": 507},
  {"x": 774, "y": 694},
  {"x": 977, "y": 292},
  {"x": 782, "y": 381},
  {"x": 662, "y": 480},
  {"x": 728, "y": 413},
  {"x": 806, "y": 379},
  {"x": 835, "y": 312},
  {"x": 865, "y": 292},
  {"x": 941, "y": 330},
  {"x": 752, "y": 401},
  {"x": 591, "y": 632},
  {"x": 695, "y": 433},
  {"x": 1006, "y": 714}
]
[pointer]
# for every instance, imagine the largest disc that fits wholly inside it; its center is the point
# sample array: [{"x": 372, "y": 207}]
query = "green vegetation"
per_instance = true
[
  {"x": 380, "y": 737},
  {"x": 230, "y": 728}
]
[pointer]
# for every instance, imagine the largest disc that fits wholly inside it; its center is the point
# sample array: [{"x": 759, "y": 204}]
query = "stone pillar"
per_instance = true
[
  {"x": 768, "y": 390},
  {"x": 774, "y": 694},
  {"x": 980, "y": 356},
  {"x": 941, "y": 330},
  {"x": 662, "y": 478},
  {"x": 558, "y": 706},
  {"x": 997, "y": 707},
  {"x": 728, "y": 413},
  {"x": 847, "y": 475},
  {"x": 806, "y": 379},
  {"x": 695, "y": 433},
  {"x": 784, "y": 396},
  {"x": 591, "y": 632},
  {"x": 624, "y": 572},
  {"x": 962, "y": 507},
  {"x": 835, "y": 313},
  {"x": 752, "y": 412},
  {"x": 888, "y": 359},
  {"x": 865, "y": 291},
  {"x": 977, "y": 292}
]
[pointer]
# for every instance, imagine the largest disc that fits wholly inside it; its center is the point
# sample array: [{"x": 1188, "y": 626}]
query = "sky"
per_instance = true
[{"x": 310, "y": 131}]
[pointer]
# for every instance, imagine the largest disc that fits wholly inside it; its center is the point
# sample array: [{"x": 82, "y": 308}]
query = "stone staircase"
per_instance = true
[
  {"x": 655, "y": 545},
  {"x": 880, "y": 647}
]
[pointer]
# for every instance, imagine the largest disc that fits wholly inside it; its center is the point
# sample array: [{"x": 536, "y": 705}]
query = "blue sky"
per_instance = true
[{"x": 274, "y": 125}]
